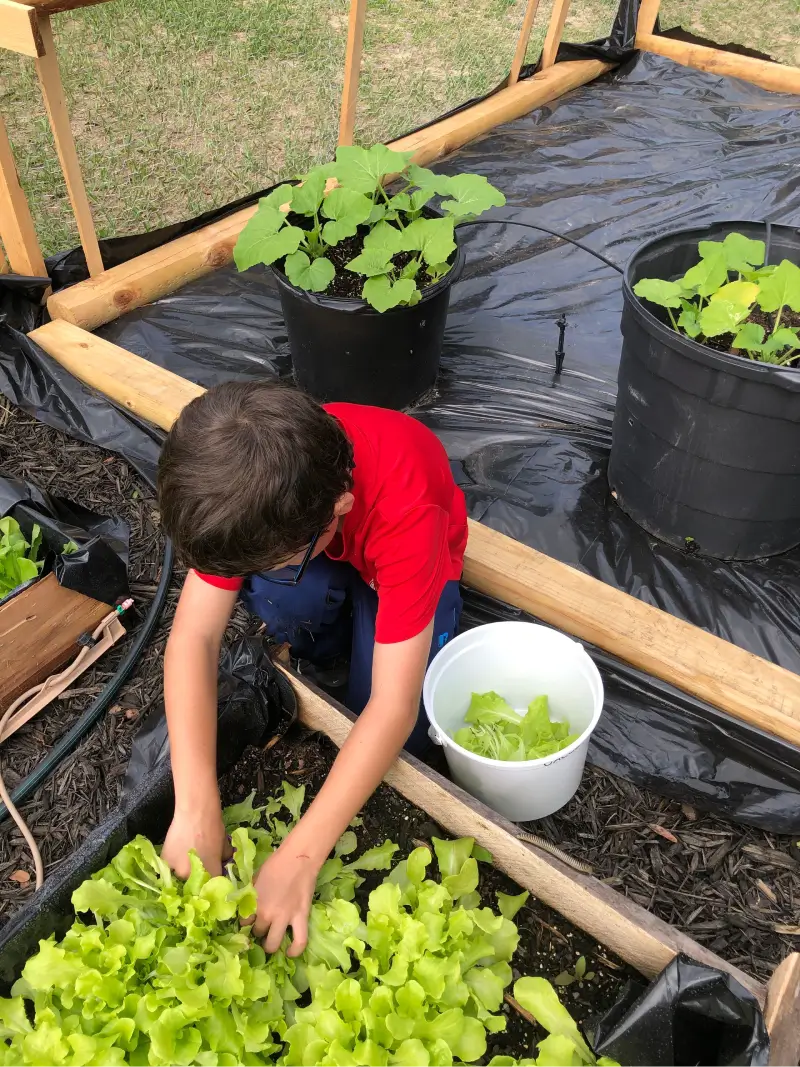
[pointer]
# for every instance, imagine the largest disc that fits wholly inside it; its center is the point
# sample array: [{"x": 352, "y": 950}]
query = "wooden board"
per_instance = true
[
  {"x": 782, "y": 1014},
  {"x": 38, "y": 632},
  {"x": 56, "y": 107},
  {"x": 19, "y": 31},
  {"x": 739, "y": 683},
  {"x": 52, "y": 7},
  {"x": 141, "y": 280},
  {"x": 352, "y": 70},
  {"x": 772, "y": 76},
  {"x": 715, "y": 671},
  {"x": 522, "y": 41},
  {"x": 149, "y": 391},
  {"x": 555, "y": 31},
  {"x": 648, "y": 16},
  {"x": 641, "y": 939},
  {"x": 16, "y": 225}
]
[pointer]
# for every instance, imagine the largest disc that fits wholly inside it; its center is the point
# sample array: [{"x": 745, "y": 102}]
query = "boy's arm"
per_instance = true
[
  {"x": 286, "y": 882},
  {"x": 191, "y": 663}
]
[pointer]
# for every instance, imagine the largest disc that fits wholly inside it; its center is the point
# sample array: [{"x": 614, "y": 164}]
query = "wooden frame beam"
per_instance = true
[
  {"x": 145, "y": 278},
  {"x": 648, "y": 16},
  {"x": 782, "y": 1014},
  {"x": 19, "y": 29},
  {"x": 55, "y": 104},
  {"x": 555, "y": 31},
  {"x": 709, "y": 668},
  {"x": 522, "y": 41},
  {"x": 17, "y": 231},
  {"x": 352, "y": 70},
  {"x": 630, "y": 931},
  {"x": 773, "y": 76}
]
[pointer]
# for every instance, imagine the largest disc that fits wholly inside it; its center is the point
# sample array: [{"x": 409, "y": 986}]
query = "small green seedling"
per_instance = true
[
  {"x": 339, "y": 200},
  {"x": 578, "y": 974},
  {"x": 718, "y": 296}
]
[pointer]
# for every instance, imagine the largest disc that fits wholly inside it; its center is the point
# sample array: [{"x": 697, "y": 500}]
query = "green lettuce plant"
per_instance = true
[
  {"x": 18, "y": 557},
  {"x": 161, "y": 972},
  {"x": 498, "y": 732},
  {"x": 297, "y": 225},
  {"x": 718, "y": 295}
]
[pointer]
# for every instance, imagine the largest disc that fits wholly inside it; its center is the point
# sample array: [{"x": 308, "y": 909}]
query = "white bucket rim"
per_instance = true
[{"x": 543, "y": 761}]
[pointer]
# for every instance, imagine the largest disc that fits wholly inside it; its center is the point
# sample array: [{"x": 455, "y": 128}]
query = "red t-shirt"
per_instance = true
[{"x": 407, "y": 532}]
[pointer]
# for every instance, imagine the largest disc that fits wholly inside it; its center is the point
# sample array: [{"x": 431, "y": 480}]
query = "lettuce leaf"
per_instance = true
[{"x": 494, "y": 730}]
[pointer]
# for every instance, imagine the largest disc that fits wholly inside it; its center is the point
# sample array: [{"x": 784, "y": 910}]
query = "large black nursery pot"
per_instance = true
[
  {"x": 706, "y": 445},
  {"x": 344, "y": 350}
]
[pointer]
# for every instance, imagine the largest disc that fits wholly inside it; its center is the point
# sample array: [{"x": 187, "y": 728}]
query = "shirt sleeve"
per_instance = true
[
  {"x": 411, "y": 562},
  {"x": 221, "y": 583}
]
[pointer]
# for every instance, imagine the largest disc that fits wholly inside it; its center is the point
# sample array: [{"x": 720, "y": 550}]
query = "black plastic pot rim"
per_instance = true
[
  {"x": 718, "y": 361},
  {"x": 354, "y": 305}
]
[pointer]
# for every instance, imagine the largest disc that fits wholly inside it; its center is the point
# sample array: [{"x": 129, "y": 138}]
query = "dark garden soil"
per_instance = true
[
  {"x": 549, "y": 945},
  {"x": 734, "y": 889},
  {"x": 347, "y": 283}
]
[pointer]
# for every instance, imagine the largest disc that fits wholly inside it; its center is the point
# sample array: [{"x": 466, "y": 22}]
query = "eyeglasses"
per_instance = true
[{"x": 299, "y": 570}]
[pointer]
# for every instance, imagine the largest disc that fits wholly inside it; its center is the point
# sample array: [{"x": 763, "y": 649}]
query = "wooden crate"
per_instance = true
[{"x": 39, "y": 629}]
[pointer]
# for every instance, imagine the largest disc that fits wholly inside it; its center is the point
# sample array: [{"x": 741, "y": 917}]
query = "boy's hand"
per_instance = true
[
  {"x": 285, "y": 887},
  {"x": 205, "y": 833}
]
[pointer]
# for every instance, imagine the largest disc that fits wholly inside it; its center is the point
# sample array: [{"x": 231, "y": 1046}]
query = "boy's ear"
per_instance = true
[{"x": 343, "y": 505}]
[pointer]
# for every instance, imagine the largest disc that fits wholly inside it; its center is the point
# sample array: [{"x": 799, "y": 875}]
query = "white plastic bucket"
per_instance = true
[{"x": 520, "y": 661}]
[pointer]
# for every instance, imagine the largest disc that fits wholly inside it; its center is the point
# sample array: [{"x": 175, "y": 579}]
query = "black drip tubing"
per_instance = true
[
  {"x": 78, "y": 731},
  {"x": 544, "y": 229}
]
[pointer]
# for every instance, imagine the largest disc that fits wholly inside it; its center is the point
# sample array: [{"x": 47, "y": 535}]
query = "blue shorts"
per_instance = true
[{"x": 331, "y": 612}]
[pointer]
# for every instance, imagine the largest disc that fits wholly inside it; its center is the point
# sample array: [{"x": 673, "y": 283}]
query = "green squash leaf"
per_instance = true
[
  {"x": 266, "y": 222},
  {"x": 471, "y": 196},
  {"x": 307, "y": 196},
  {"x": 348, "y": 210},
  {"x": 665, "y": 294},
  {"x": 719, "y": 317},
  {"x": 313, "y": 275},
  {"x": 781, "y": 288},
  {"x": 711, "y": 272},
  {"x": 361, "y": 169},
  {"x": 742, "y": 253},
  {"x": 382, "y": 294},
  {"x": 432, "y": 237}
]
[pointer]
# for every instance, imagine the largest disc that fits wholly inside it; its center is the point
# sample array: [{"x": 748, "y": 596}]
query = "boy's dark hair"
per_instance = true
[{"x": 249, "y": 473}]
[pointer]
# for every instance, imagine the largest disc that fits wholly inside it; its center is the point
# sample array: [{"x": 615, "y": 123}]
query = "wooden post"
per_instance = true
[
  {"x": 648, "y": 16},
  {"x": 782, "y": 1014},
  {"x": 641, "y": 939},
  {"x": 152, "y": 275},
  {"x": 352, "y": 70},
  {"x": 773, "y": 76},
  {"x": 19, "y": 29},
  {"x": 16, "y": 225},
  {"x": 522, "y": 41},
  {"x": 54, "y": 102},
  {"x": 554, "y": 33}
]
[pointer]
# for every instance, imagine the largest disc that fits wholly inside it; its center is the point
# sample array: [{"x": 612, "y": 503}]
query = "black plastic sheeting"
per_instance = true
[
  {"x": 689, "y": 1014},
  {"x": 99, "y": 567},
  {"x": 650, "y": 147},
  {"x": 255, "y": 702}
]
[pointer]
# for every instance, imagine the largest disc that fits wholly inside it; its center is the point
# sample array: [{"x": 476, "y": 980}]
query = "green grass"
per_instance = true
[{"x": 183, "y": 105}]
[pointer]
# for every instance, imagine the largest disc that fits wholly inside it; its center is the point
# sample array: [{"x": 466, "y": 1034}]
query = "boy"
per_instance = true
[{"x": 304, "y": 511}]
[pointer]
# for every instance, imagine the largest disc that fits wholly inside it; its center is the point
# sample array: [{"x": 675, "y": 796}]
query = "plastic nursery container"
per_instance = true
[
  {"x": 520, "y": 661},
  {"x": 706, "y": 446},
  {"x": 344, "y": 350}
]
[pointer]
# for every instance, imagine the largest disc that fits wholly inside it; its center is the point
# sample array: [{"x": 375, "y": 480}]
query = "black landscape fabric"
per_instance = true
[{"x": 649, "y": 147}]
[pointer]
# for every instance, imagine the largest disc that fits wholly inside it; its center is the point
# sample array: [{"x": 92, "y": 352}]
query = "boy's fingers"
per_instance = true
[
  {"x": 261, "y": 925},
  {"x": 299, "y": 935},
  {"x": 275, "y": 936}
]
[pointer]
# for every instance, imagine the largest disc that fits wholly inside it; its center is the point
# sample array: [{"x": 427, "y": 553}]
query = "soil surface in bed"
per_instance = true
[{"x": 733, "y": 888}]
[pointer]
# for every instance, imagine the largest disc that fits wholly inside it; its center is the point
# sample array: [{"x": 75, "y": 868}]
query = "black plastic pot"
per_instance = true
[
  {"x": 344, "y": 350},
  {"x": 706, "y": 445}
]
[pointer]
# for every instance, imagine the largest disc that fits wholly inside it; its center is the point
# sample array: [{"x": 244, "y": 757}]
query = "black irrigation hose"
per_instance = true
[
  {"x": 544, "y": 229},
  {"x": 75, "y": 735}
]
